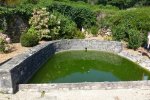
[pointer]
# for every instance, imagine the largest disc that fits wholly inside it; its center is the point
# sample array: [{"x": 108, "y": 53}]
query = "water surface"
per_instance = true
[{"x": 90, "y": 66}]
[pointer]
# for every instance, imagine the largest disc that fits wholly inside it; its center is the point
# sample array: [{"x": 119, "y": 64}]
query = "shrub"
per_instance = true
[
  {"x": 119, "y": 32},
  {"x": 2, "y": 45},
  {"x": 132, "y": 19},
  {"x": 79, "y": 35},
  {"x": 30, "y": 38},
  {"x": 61, "y": 26},
  {"x": 8, "y": 23},
  {"x": 82, "y": 16},
  {"x": 67, "y": 28},
  {"x": 54, "y": 25},
  {"x": 40, "y": 20},
  {"x": 135, "y": 39},
  {"x": 94, "y": 30},
  {"x": 122, "y": 23}
]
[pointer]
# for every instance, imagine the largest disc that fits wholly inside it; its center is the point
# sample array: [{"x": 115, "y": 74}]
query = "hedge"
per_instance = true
[{"x": 83, "y": 17}]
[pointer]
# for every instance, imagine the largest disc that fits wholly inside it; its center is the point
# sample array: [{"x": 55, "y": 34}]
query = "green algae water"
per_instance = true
[{"x": 90, "y": 66}]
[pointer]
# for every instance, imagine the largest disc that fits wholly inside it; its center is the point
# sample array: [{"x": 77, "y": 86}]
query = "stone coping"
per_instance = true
[
  {"x": 86, "y": 86},
  {"x": 137, "y": 58},
  {"x": 21, "y": 57}
]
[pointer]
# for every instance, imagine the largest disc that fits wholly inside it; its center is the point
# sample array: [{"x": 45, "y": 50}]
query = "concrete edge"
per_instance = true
[{"x": 86, "y": 86}]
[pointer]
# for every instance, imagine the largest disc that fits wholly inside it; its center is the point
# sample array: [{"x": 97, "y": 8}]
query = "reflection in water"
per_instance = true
[
  {"x": 145, "y": 77},
  {"x": 89, "y": 76},
  {"x": 91, "y": 66}
]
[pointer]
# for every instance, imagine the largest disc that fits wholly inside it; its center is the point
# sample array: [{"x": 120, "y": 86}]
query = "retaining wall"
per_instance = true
[{"x": 20, "y": 69}]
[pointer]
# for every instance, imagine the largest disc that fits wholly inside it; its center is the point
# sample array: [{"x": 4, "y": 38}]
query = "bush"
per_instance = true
[
  {"x": 61, "y": 27},
  {"x": 8, "y": 23},
  {"x": 79, "y": 35},
  {"x": 40, "y": 20},
  {"x": 67, "y": 28},
  {"x": 137, "y": 19},
  {"x": 82, "y": 16},
  {"x": 2, "y": 45},
  {"x": 119, "y": 33},
  {"x": 29, "y": 39},
  {"x": 54, "y": 25},
  {"x": 135, "y": 39},
  {"x": 94, "y": 30},
  {"x": 122, "y": 22}
]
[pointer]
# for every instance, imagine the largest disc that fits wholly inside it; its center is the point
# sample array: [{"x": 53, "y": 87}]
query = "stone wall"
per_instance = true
[
  {"x": 15, "y": 27},
  {"x": 21, "y": 68}
]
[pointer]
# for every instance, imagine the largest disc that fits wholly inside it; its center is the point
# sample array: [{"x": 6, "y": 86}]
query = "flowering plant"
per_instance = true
[
  {"x": 39, "y": 21},
  {"x": 47, "y": 25}
]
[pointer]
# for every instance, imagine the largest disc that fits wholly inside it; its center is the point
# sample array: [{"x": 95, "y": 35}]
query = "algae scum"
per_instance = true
[{"x": 90, "y": 66}]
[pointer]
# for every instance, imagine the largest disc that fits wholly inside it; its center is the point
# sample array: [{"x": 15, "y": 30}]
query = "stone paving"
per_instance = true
[
  {"x": 115, "y": 94},
  {"x": 136, "y": 57}
]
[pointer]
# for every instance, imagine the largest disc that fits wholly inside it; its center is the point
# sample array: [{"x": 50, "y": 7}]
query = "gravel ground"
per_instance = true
[{"x": 17, "y": 49}]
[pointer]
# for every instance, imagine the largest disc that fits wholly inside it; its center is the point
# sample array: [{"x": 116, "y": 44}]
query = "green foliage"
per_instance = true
[
  {"x": 79, "y": 35},
  {"x": 122, "y": 23},
  {"x": 44, "y": 3},
  {"x": 62, "y": 27},
  {"x": 3, "y": 24},
  {"x": 9, "y": 2},
  {"x": 108, "y": 7},
  {"x": 119, "y": 32},
  {"x": 2, "y": 45},
  {"x": 81, "y": 13},
  {"x": 30, "y": 38},
  {"x": 33, "y": 1},
  {"x": 134, "y": 19},
  {"x": 40, "y": 20},
  {"x": 8, "y": 19},
  {"x": 135, "y": 39},
  {"x": 94, "y": 30},
  {"x": 73, "y": 15},
  {"x": 22, "y": 10},
  {"x": 54, "y": 25},
  {"x": 83, "y": 17},
  {"x": 68, "y": 28},
  {"x": 122, "y": 4}
]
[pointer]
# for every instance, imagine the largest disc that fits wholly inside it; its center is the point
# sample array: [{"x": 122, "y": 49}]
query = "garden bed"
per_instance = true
[{"x": 17, "y": 49}]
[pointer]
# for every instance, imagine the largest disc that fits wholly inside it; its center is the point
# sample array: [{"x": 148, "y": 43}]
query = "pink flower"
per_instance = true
[{"x": 8, "y": 40}]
